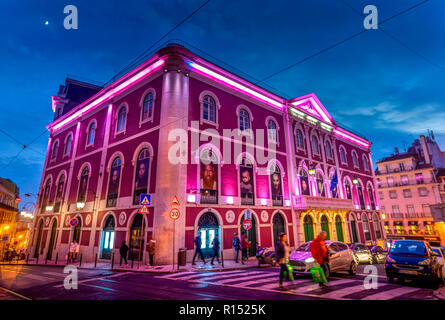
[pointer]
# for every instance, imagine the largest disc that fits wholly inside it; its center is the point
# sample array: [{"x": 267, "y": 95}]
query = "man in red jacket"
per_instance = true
[{"x": 320, "y": 252}]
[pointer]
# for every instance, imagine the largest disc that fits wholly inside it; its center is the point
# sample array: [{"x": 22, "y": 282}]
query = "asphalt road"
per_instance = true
[{"x": 47, "y": 283}]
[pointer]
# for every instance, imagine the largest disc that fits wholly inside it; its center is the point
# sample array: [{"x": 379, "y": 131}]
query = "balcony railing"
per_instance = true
[
  {"x": 411, "y": 182},
  {"x": 394, "y": 170},
  {"x": 247, "y": 199},
  {"x": 209, "y": 196},
  {"x": 277, "y": 201},
  {"x": 309, "y": 202},
  {"x": 397, "y": 215}
]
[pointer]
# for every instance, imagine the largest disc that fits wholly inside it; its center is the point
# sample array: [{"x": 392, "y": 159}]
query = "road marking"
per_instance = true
[
  {"x": 236, "y": 279},
  {"x": 94, "y": 279},
  {"x": 343, "y": 292},
  {"x": 15, "y": 294},
  {"x": 175, "y": 275},
  {"x": 35, "y": 277},
  {"x": 248, "y": 283},
  {"x": 370, "y": 275},
  {"x": 99, "y": 287},
  {"x": 183, "y": 275},
  {"x": 275, "y": 285},
  {"x": 391, "y": 294},
  {"x": 59, "y": 274},
  {"x": 259, "y": 278}
]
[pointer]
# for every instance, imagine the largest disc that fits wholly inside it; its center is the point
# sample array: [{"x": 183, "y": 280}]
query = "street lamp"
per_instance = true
[
  {"x": 80, "y": 205},
  {"x": 49, "y": 208},
  {"x": 355, "y": 180}
]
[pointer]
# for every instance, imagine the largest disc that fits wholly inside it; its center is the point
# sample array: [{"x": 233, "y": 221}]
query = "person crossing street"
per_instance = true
[
  {"x": 236, "y": 246},
  {"x": 198, "y": 251},
  {"x": 215, "y": 245},
  {"x": 282, "y": 255},
  {"x": 320, "y": 253}
]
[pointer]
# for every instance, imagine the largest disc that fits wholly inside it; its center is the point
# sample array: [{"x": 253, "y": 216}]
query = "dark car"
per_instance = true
[
  {"x": 414, "y": 260},
  {"x": 361, "y": 253},
  {"x": 378, "y": 254}
]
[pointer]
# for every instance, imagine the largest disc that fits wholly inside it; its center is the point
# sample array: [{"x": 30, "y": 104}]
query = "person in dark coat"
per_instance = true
[
  {"x": 215, "y": 245},
  {"x": 123, "y": 252},
  {"x": 198, "y": 250},
  {"x": 282, "y": 255},
  {"x": 320, "y": 252},
  {"x": 236, "y": 246}
]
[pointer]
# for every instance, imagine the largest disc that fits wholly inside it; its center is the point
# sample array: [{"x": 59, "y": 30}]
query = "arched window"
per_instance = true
[
  {"x": 142, "y": 170},
  {"x": 83, "y": 184},
  {"x": 59, "y": 193},
  {"x": 272, "y": 131},
  {"x": 343, "y": 155},
  {"x": 121, "y": 119},
  {"x": 325, "y": 226},
  {"x": 365, "y": 163},
  {"x": 46, "y": 192},
  {"x": 147, "y": 107},
  {"x": 68, "y": 142},
  {"x": 328, "y": 150},
  {"x": 247, "y": 187},
  {"x": 378, "y": 230},
  {"x": 339, "y": 228},
  {"x": 275, "y": 186},
  {"x": 55, "y": 150},
  {"x": 361, "y": 198},
  {"x": 315, "y": 145},
  {"x": 371, "y": 197},
  {"x": 299, "y": 139},
  {"x": 304, "y": 183},
  {"x": 348, "y": 191},
  {"x": 91, "y": 133},
  {"x": 244, "y": 120},
  {"x": 355, "y": 159},
  {"x": 113, "y": 187},
  {"x": 320, "y": 185},
  {"x": 366, "y": 227},
  {"x": 209, "y": 109}
]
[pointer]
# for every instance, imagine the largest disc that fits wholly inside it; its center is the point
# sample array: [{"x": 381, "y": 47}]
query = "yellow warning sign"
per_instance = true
[{"x": 175, "y": 201}]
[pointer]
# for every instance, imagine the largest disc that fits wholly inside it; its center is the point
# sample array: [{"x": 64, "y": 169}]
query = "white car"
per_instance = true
[
  {"x": 341, "y": 258},
  {"x": 440, "y": 259}
]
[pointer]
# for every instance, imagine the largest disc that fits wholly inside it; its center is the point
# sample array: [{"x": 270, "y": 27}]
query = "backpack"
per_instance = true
[{"x": 235, "y": 242}]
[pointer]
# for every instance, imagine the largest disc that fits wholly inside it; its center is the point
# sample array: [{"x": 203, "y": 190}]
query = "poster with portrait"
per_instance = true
[
  {"x": 209, "y": 176},
  {"x": 141, "y": 180},
  {"x": 320, "y": 187},
  {"x": 275, "y": 185},
  {"x": 304, "y": 184},
  {"x": 371, "y": 198},
  {"x": 246, "y": 181},
  {"x": 113, "y": 187},
  {"x": 60, "y": 185},
  {"x": 360, "y": 197},
  {"x": 83, "y": 187},
  {"x": 348, "y": 191}
]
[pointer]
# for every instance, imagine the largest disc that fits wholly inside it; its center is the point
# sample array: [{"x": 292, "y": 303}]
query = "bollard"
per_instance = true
[
  {"x": 95, "y": 261},
  {"x": 80, "y": 261},
  {"x": 57, "y": 257},
  {"x": 112, "y": 262}
]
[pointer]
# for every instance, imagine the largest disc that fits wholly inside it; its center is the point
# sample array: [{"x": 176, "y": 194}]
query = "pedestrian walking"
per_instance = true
[
  {"x": 74, "y": 250},
  {"x": 245, "y": 245},
  {"x": 215, "y": 245},
  {"x": 320, "y": 253},
  {"x": 198, "y": 251},
  {"x": 282, "y": 255},
  {"x": 236, "y": 246},
  {"x": 151, "y": 250},
  {"x": 123, "y": 252}
]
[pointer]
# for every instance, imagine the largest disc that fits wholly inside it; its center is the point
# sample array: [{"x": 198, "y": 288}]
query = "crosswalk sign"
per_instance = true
[
  {"x": 144, "y": 209},
  {"x": 145, "y": 199}
]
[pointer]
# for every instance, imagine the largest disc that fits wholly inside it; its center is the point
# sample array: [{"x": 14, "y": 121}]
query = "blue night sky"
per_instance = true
[{"x": 371, "y": 84}]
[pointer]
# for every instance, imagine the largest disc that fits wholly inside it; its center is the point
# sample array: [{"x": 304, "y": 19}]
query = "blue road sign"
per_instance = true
[{"x": 145, "y": 199}]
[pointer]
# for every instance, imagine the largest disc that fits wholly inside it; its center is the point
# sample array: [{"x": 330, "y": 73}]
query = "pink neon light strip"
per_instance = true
[
  {"x": 351, "y": 138},
  {"x": 235, "y": 85},
  {"x": 315, "y": 105},
  {"x": 111, "y": 93}
]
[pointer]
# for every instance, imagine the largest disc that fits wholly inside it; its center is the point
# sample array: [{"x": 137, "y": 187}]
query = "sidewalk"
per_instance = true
[
  {"x": 440, "y": 293},
  {"x": 198, "y": 267}
]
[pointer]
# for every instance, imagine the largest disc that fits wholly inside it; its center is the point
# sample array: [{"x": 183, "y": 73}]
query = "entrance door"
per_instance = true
[
  {"x": 278, "y": 227},
  {"x": 251, "y": 236},
  {"x": 339, "y": 229},
  {"x": 108, "y": 238},
  {"x": 136, "y": 238},
  {"x": 39, "y": 239},
  {"x": 308, "y": 227},
  {"x": 52, "y": 239},
  {"x": 354, "y": 231},
  {"x": 325, "y": 226},
  {"x": 208, "y": 228}
]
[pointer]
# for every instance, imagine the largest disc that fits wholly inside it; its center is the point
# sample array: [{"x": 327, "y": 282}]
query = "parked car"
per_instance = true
[
  {"x": 441, "y": 259},
  {"x": 362, "y": 253},
  {"x": 413, "y": 259},
  {"x": 341, "y": 258},
  {"x": 378, "y": 254}
]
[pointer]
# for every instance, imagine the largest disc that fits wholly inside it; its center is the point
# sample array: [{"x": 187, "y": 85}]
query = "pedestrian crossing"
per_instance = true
[{"x": 341, "y": 287}]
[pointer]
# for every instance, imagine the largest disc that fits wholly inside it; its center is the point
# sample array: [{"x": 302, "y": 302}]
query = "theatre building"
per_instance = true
[{"x": 179, "y": 125}]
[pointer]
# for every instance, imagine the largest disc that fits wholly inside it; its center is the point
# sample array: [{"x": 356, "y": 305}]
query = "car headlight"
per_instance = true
[
  {"x": 425, "y": 262},
  {"x": 390, "y": 260},
  {"x": 309, "y": 260}
]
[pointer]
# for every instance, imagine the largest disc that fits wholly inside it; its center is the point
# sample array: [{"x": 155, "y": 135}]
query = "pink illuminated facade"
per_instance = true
[{"x": 126, "y": 139}]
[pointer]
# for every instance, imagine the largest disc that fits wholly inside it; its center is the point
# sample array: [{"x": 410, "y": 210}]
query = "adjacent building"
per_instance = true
[
  {"x": 229, "y": 150},
  {"x": 409, "y": 184},
  {"x": 9, "y": 200}
]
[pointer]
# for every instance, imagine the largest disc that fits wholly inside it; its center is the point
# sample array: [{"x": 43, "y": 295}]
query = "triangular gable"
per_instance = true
[{"x": 310, "y": 104}]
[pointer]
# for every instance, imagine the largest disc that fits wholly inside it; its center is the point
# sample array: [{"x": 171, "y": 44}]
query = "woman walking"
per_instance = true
[{"x": 282, "y": 255}]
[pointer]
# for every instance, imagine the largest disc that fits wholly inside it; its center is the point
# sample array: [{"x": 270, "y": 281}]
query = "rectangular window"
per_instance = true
[
  {"x": 419, "y": 178},
  {"x": 388, "y": 168},
  {"x": 407, "y": 193},
  {"x": 393, "y": 194},
  {"x": 380, "y": 195},
  {"x": 390, "y": 181},
  {"x": 402, "y": 166},
  {"x": 395, "y": 209},
  {"x": 404, "y": 180},
  {"x": 423, "y": 192}
]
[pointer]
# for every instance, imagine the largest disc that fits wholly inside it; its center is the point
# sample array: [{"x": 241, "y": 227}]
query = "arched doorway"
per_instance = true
[
  {"x": 339, "y": 229},
  {"x": 52, "y": 239},
  {"x": 325, "y": 226},
  {"x": 278, "y": 227},
  {"x": 308, "y": 226},
  {"x": 136, "y": 238},
  {"x": 251, "y": 235},
  {"x": 77, "y": 230},
  {"x": 208, "y": 228},
  {"x": 353, "y": 229},
  {"x": 107, "y": 238},
  {"x": 39, "y": 239}
]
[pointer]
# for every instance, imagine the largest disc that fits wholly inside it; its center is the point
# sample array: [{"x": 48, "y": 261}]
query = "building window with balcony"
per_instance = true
[
  {"x": 410, "y": 211},
  {"x": 343, "y": 155},
  {"x": 419, "y": 178},
  {"x": 404, "y": 179},
  {"x": 396, "y": 212},
  {"x": 208, "y": 177},
  {"x": 247, "y": 186},
  {"x": 407, "y": 193},
  {"x": 315, "y": 145},
  {"x": 113, "y": 186},
  {"x": 393, "y": 194},
  {"x": 142, "y": 175},
  {"x": 328, "y": 150},
  {"x": 390, "y": 181},
  {"x": 400, "y": 229},
  {"x": 299, "y": 139},
  {"x": 402, "y": 166},
  {"x": 426, "y": 210},
  {"x": 355, "y": 159},
  {"x": 429, "y": 228},
  {"x": 413, "y": 227},
  {"x": 381, "y": 197},
  {"x": 366, "y": 227},
  {"x": 423, "y": 192},
  {"x": 276, "y": 186}
]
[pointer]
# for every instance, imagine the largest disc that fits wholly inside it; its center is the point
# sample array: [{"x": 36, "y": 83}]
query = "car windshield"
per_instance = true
[
  {"x": 304, "y": 247},
  {"x": 436, "y": 251},
  {"x": 409, "y": 247}
]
